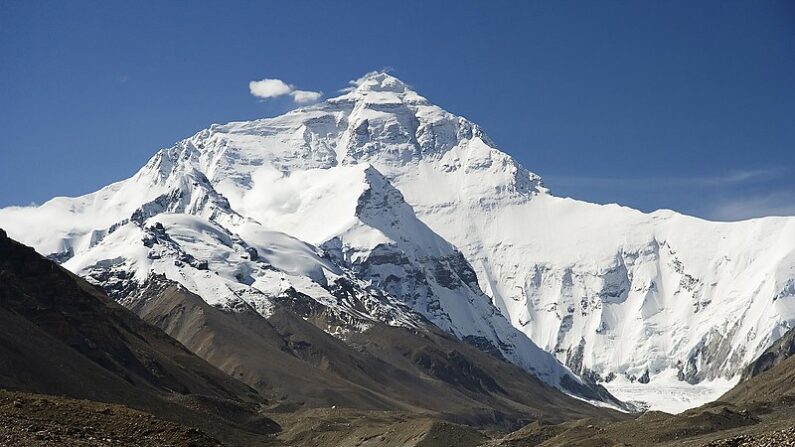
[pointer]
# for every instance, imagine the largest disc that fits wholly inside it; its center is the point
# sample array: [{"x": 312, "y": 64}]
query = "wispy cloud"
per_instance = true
[
  {"x": 734, "y": 195},
  {"x": 732, "y": 178},
  {"x": 273, "y": 88},
  {"x": 779, "y": 203}
]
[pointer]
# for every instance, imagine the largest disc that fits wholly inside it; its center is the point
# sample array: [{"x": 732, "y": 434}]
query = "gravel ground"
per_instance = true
[
  {"x": 46, "y": 421},
  {"x": 780, "y": 438}
]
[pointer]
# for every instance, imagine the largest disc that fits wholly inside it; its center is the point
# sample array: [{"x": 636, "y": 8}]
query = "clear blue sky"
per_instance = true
[{"x": 671, "y": 104}]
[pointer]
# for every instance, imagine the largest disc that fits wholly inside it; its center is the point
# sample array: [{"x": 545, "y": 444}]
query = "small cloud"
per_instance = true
[
  {"x": 269, "y": 88},
  {"x": 304, "y": 96},
  {"x": 272, "y": 88}
]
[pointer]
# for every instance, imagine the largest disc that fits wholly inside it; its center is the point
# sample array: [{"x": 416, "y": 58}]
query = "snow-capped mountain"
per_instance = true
[
  {"x": 338, "y": 234},
  {"x": 414, "y": 209}
]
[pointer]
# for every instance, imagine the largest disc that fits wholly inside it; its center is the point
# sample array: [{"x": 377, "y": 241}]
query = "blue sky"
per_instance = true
[{"x": 670, "y": 104}]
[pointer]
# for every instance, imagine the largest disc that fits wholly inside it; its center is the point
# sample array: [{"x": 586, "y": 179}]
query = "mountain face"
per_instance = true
[{"x": 383, "y": 208}]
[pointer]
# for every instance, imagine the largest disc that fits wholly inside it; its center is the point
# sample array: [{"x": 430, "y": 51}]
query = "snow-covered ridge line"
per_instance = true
[{"x": 395, "y": 189}]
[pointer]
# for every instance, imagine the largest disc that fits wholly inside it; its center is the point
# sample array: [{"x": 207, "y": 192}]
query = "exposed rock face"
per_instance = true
[
  {"x": 780, "y": 351},
  {"x": 770, "y": 379}
]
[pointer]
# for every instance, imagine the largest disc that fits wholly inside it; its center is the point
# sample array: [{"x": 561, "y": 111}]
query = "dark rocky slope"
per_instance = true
[{"x": 61, "y": 336}]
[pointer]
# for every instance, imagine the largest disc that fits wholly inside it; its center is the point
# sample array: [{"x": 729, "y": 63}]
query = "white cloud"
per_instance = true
[
  {"x": 304, "y": 96},
  {"x": 269, "y": 88},
  {"x": 272, "y": 88}
]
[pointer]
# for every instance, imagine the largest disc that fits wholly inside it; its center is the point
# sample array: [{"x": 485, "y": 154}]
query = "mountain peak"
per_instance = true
[
  {"x": 379, "y": 81},
  {"x": 380, "y": 87}
]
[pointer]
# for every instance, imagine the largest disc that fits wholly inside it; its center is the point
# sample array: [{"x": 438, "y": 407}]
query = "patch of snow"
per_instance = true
[{"x": 669, "y": 394}]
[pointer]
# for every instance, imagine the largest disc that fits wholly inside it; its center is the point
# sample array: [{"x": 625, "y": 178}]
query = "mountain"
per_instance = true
[
  {"x": 384, "y": 208},
  {"x": 371, "y": 260},
  {"x": 63, "y": 336}
]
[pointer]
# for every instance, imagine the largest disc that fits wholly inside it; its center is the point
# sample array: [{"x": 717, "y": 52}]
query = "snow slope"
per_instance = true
[{"x": 383, "y": 188}]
